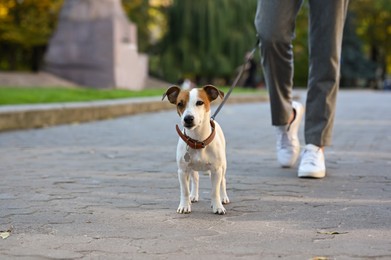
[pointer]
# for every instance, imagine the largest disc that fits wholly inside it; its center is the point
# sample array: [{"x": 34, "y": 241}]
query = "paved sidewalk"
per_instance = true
[{"x": 109, "y": 190}]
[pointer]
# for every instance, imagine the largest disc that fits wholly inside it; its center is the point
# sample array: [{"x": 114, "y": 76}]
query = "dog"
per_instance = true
[{"x": 201, "y": 146}]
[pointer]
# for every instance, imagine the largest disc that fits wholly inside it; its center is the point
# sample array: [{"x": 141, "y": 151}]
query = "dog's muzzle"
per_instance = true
[{"x": 188, "y": 121}]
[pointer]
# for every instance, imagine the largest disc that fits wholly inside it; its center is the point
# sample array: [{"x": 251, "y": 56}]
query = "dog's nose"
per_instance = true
[{"x": 189, "y": 119}]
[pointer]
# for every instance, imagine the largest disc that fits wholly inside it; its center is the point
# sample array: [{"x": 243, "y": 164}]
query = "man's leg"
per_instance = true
[
  {"x": 327, "y": 19},
  {"x": 275, "y": 23}
]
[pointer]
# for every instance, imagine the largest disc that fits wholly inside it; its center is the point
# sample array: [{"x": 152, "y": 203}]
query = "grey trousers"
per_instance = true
[{"x": 275, "y": 24}]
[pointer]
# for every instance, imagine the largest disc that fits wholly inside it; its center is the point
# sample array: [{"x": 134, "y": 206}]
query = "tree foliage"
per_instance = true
[
  {"x": 355, "y": 65},
  {"x": 25, "y": 28},
  {"x": 206, "y": 39},
  {"x": 372, "y": 20}
]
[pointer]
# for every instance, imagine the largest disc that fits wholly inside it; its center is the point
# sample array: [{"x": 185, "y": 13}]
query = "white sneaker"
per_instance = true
[
  {"x": 288, "y": 145},
  {"x": 312, "y": 163}
]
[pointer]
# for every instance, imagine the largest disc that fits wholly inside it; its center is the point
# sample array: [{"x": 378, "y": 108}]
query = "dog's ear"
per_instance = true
[
  {"x": 172, "y": 94},
  {"x": 213, "y": 92}
]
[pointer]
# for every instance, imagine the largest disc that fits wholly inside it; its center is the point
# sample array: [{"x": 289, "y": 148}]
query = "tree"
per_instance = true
[
  {"x": 206, "y": 39},
  {"x": 25, "y": 28},
  {"x": 355, "y": 65},
  {"x": 372, "y": 20}
]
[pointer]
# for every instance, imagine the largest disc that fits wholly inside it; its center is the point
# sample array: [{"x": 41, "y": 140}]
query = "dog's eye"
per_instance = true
[
  {"x": 199, "y": 103},
  {"x": 180, "y": 104}
]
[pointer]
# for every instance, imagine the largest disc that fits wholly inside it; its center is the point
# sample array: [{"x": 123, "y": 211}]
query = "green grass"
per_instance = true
[
  {"x": 34, "y": 95},
  {"x": 39, "y": 95}
]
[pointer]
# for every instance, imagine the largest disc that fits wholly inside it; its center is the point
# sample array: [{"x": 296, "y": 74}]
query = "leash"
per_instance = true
[{"x": 235, "y": 82}]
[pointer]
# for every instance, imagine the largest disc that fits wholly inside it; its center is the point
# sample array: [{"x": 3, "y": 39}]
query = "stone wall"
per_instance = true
[{"x": 95, "y": 45}]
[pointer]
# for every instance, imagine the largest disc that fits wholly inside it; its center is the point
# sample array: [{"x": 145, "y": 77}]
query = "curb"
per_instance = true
[{"x": 17, "y": 117}]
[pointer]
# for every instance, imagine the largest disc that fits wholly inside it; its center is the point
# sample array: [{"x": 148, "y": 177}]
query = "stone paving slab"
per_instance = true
[{"x": 109, "y": 190}]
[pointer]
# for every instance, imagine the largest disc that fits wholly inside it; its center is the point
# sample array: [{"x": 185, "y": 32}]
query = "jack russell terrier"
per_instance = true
[{"x": 201, "y": 146}]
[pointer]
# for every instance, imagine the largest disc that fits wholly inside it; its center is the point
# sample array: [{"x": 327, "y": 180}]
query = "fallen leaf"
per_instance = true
[
  {"x": 4, "y": 234},
  {"x": 7, "y": 233}
]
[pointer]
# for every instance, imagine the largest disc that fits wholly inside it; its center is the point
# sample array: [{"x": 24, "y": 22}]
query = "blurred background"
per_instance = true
[{"x": 205, "y": 41}]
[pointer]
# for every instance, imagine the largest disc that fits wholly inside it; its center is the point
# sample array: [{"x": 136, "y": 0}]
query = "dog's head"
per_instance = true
[{"x": 193, "y": 106}]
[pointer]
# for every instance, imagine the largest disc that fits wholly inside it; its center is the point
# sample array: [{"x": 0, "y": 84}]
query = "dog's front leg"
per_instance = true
[
  {"x": 185, "y": 203},
  {"x": 216, "y": 178},
  {"x": 194, "y": 186},
  {"x": 225, "y": 198}
]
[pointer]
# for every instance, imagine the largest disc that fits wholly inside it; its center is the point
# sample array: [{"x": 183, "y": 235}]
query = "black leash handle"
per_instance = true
[{"x": 235, "y": 82}]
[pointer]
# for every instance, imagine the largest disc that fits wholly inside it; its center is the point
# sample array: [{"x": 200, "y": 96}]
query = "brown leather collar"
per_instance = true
[{"x": 195, "y": 144}]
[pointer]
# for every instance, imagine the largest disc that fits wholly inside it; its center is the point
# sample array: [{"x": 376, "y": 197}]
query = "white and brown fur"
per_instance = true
[{"x": 193, "y": 106}]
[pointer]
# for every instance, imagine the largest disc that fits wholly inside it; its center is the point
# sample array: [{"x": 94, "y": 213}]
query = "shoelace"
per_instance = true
[{"x": 311, "y": 157}]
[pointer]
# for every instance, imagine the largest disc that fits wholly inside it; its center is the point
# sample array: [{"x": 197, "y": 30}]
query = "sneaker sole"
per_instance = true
[{"x": 312, "y": 175}]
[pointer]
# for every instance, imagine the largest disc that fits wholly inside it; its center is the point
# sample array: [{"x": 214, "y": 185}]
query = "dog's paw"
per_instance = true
[
  {"x": 194, "y": 198},
  {"x": 184, "y": 209},
  {"x": 225, "y": 200},
  {"x": 220, "y": 210}
]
